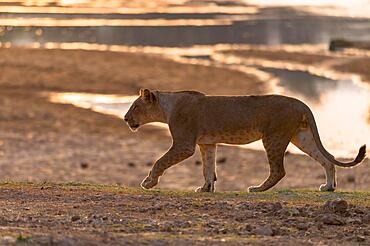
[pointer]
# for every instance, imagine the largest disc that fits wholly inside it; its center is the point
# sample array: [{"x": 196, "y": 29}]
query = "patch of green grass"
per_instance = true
[
  {"x": 294, "y": 196},
  {"x": 200, "y": 238},
  {"x": 22, "y": 239}
]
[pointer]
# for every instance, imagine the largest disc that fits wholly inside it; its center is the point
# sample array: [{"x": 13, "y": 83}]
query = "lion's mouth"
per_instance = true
[{"x": 134, "y": 126}]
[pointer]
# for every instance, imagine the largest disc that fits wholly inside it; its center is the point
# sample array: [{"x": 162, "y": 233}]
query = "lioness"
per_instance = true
[{"x": 195, "y": 118}]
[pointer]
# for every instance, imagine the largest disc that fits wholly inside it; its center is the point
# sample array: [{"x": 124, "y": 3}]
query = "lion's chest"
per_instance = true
[{"x": 230, "y": 137}]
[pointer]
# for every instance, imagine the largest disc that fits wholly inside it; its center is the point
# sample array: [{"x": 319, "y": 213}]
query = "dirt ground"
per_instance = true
[{"x": 75, "y": 214}]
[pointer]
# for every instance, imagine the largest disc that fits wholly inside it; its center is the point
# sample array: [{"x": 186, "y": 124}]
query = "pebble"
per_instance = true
[
  {"x": 302, "y": 226},
  {"x": 75, "y": 218},
  {"x": 131, "y": 164},
  {"x": 337, "y": 206},
  {"x": 289, "y": 211},
  {"x": 360, "y": 238},
  {"x": 263, "y": 231},
  {"x": 366, "y": 219},
  {"x": 330, "y": 219},
  {"x": 276, "y": 206}
]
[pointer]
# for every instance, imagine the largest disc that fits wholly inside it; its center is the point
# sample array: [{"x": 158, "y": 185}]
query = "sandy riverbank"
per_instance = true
[{"x": 44, "y": 141}]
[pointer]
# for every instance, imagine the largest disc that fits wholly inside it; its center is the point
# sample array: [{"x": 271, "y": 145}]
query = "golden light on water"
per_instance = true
[
  {"x": 201, "y": 9},
  {"x": 96, "y": 102},
  {"x": 354, "y": 8},
  {"x": 51, "y": 22}
]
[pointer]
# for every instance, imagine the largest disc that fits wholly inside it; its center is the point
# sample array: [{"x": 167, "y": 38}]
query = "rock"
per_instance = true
[
  {"x": 243, "y": 206},
  {"x": 75, "y": 218},
  {"x": 84, "y": 165},
  {"x": 263, "y": 231},
  {"x": 356, "y": 238},
  {"x": 360, "y": 238},
  {"x": 276, "y": 206},
  {"x": 131, "y": 164},
  {"x": 359, "y": 210},
  {"x": 245, "y": 228},
  {"x": 337, "y": 206},
  {"x": 302, "y": 226},
  {"x": 289, "y": 212},
  {"x": 353, "y": 221},
  {"x": 222, "y": 231},
  {"x": 330, "y": 219},
  {"x": 294, "y": 212},
  {"x": 366, "y": 219}
]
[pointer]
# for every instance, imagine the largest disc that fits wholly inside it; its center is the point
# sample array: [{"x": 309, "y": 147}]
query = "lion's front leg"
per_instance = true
[
  {"x": 173, "y": 156},
  {"x": 209, "y": 167}
]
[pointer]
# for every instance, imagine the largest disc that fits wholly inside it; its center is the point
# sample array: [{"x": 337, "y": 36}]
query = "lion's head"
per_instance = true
[{"x": 145, "y": 109}]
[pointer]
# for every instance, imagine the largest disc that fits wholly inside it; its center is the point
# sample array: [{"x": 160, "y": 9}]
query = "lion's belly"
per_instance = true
[{"x": 237, "y": 137}]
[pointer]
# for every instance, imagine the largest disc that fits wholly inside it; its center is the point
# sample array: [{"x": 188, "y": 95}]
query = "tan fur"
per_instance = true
[{"x": 197, "y": 119}]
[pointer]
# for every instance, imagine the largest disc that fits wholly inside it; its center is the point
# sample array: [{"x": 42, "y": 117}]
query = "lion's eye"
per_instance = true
[{"x": 133, "y": 108}]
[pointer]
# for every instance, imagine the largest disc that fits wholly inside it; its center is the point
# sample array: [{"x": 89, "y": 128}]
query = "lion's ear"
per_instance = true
[{"x": 147, "y": 95}]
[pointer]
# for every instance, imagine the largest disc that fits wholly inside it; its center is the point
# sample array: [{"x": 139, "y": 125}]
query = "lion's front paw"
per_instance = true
[
  {"x": 254, "y": 189},
  {"x": 327, "y": 187},
  {"x": 149, "y": 182}
]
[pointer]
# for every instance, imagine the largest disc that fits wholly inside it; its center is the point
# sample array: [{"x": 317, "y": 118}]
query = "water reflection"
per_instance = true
[
  {"x": 261, "y": 28},
  {"x": 310, "y": 87},
  {"x": 106, "y": 104},
  {"x": 85, "y": 22}
]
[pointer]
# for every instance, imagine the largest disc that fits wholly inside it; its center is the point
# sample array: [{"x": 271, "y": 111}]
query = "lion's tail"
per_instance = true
[{"x": 312, "y": 124}]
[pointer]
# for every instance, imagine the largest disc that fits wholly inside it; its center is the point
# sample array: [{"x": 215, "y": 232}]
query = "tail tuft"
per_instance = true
[{"x": 361, "y": 154}]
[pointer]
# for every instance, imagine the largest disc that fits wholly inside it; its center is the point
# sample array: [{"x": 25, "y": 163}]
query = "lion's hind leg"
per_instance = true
[
  {"x": 275, "y": 148},
  {"x": 304, "y": 140}
]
